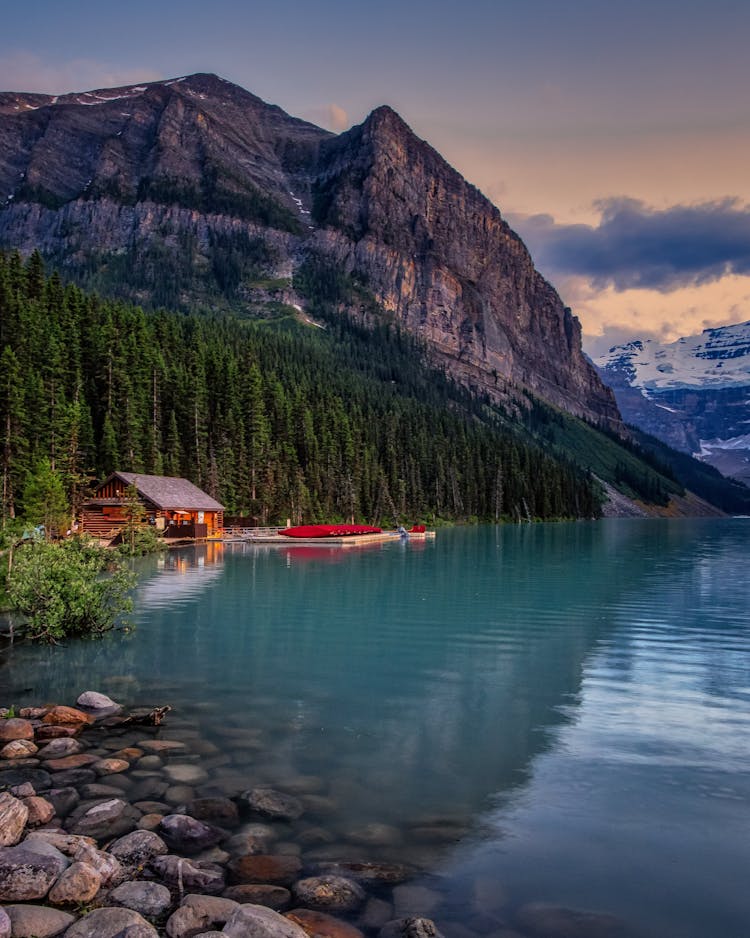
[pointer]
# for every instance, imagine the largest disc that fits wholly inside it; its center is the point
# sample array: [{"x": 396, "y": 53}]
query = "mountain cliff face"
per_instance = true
[
  {"x": 693, "y": 394},
  {"x": 195, "y": 192}
]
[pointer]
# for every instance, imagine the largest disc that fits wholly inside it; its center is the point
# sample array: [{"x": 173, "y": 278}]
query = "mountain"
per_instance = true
[
  {"x": 193, "y": 193},
  {"x": 693, "y": 394}
]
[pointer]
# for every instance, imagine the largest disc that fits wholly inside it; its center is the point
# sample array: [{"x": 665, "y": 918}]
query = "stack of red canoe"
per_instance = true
[{"x": 329, "y": 530}]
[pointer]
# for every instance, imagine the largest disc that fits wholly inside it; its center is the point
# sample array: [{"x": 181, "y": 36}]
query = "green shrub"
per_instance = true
[{"x": 69, "y": 588}]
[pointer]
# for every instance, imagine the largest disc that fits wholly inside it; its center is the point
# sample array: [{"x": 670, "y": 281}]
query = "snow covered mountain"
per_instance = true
[{"x": 693, "y": 393}]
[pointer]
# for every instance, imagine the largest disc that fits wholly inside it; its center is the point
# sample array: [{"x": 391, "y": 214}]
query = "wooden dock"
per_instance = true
[{"x": 248, "y": 536}]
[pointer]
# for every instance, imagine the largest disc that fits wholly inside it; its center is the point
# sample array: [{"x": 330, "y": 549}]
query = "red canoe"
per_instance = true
[{"x": 329, "y": 530}]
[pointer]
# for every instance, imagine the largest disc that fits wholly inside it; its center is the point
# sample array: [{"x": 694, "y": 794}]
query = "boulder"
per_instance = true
[
  {"x": 18, "y": 749},
  {"x": 79, "y": 883},
  {"x": 138, "y": 848},
  {"x": 275, "y": 869},
  {"x": 192, "y": 875},
  {"x": 50, "y": 731},
  {"x": 256, "y": 921},
  {"x": 13, "y": 816},
  {"x": 272, "y": 804},
  {"x": 188, "y": 835},
  {"x": 62, "y": 746},
  {"x": 322, "y": 925},
  {"x": 28, "y": 871},
  {"x": 41, "y": 811},
  {"x": 110, "y": 766},
  {"x": 66, "y": 716},
  {"x": 113, "y": 922},
  {"x": 92, "y": 700},
  {"x": 37, "y": 921},
  {"x": 148, "y": 899},
  {"x": 109, "y": 819},
  {"x": 329, "y": 893},
  {"x": 15, "y": 728},
  {"x": 65, "y": 843},
  {"x": 32, "y": 713},
  {"x": 5, "y": 924},
  {"x": 106, "y": 865},
  {"x": 198, "y": 914}
]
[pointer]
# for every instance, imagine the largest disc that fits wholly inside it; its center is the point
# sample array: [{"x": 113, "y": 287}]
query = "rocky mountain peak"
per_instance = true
[{"x": 197, "y": 175}]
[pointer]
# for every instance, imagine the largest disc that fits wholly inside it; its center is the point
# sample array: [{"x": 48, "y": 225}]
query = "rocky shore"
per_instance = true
[{"x": 110, "y": 828}]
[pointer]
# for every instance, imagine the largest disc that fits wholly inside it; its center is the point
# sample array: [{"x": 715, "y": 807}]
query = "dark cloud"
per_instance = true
[{"x": 635, "y": 246}]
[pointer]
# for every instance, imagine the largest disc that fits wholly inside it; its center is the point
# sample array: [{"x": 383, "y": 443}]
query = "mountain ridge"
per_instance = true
[
  {"x": 192, "y": 191},
  {"x": 692, "y": 394}
]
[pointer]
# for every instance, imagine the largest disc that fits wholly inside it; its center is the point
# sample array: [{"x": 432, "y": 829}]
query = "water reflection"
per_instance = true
[{"x": 571, "y": 698}]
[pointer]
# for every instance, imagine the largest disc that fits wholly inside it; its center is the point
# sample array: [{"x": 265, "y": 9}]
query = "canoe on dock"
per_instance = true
[{"x": 313, "y": 531}]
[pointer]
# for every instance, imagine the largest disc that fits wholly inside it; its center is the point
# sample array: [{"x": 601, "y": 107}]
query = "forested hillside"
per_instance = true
[{"x": 301, "y": 422}]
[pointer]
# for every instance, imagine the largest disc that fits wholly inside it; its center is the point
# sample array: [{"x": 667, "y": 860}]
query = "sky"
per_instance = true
[{"x": 615, "y": 138}]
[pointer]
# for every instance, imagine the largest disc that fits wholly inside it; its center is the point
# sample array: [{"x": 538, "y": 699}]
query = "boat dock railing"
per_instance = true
[{"x": 251, "y": 533}]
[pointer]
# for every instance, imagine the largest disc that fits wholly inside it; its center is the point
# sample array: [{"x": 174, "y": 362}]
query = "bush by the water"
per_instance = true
[{"x": 69, "y": 588}]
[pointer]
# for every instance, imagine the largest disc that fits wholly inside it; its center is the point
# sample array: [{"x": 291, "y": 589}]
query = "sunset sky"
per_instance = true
[{"x": 615, "y": 138}]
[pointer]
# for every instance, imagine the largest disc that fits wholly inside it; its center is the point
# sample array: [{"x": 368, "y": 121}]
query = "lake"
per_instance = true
[{"x": 536, "y": 713}]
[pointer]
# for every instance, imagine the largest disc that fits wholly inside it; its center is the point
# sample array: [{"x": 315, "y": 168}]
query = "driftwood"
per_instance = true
[{"x": 141, "y": 716}]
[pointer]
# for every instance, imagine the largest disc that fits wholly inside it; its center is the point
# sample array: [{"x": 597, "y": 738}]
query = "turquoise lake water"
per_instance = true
[{"x": 569, "y": 704}]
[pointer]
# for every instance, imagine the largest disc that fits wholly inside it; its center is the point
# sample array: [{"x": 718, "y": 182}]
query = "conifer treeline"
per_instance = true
[{"x": 275, "y": 424}]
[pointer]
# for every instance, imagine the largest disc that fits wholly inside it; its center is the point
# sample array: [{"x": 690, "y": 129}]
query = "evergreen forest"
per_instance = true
[{"x": 276, "y": 420}]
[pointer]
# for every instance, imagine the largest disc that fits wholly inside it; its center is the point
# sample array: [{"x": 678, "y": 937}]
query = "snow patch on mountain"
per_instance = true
[{"x": 717, "y": 358}]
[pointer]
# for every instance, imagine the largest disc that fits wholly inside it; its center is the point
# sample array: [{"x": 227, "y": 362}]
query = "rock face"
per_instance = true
[{"x": 195, "y": 170}]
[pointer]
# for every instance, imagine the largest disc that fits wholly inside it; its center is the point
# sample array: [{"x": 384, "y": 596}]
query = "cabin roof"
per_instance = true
[{"x": 168, "y": 491}]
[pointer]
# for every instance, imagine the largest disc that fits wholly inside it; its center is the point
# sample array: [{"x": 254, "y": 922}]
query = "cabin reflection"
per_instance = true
[{"x": 182, "y": 575}]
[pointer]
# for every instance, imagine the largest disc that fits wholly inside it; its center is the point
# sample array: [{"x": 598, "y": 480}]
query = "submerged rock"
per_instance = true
[
  {"x": 272, "y": 804},
  {"x": 329, "y": 893},
  {"x": 545, "y": 920},
  {"x": 188, "y": 835},
  {"x": 276, "y": 869},
  {"x": 410, "y": 928},
  {"x": 273, "y": 897}
]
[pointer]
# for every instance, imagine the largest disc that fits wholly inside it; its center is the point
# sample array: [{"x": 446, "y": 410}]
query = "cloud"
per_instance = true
[
  {"x": 25, "y": 71},
  {"x": 635, "y": 246},
  {"x": 331, "y": 116}
]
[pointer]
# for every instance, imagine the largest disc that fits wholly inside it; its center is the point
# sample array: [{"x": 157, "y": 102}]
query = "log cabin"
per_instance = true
[{"x": 173, "y": 506}]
